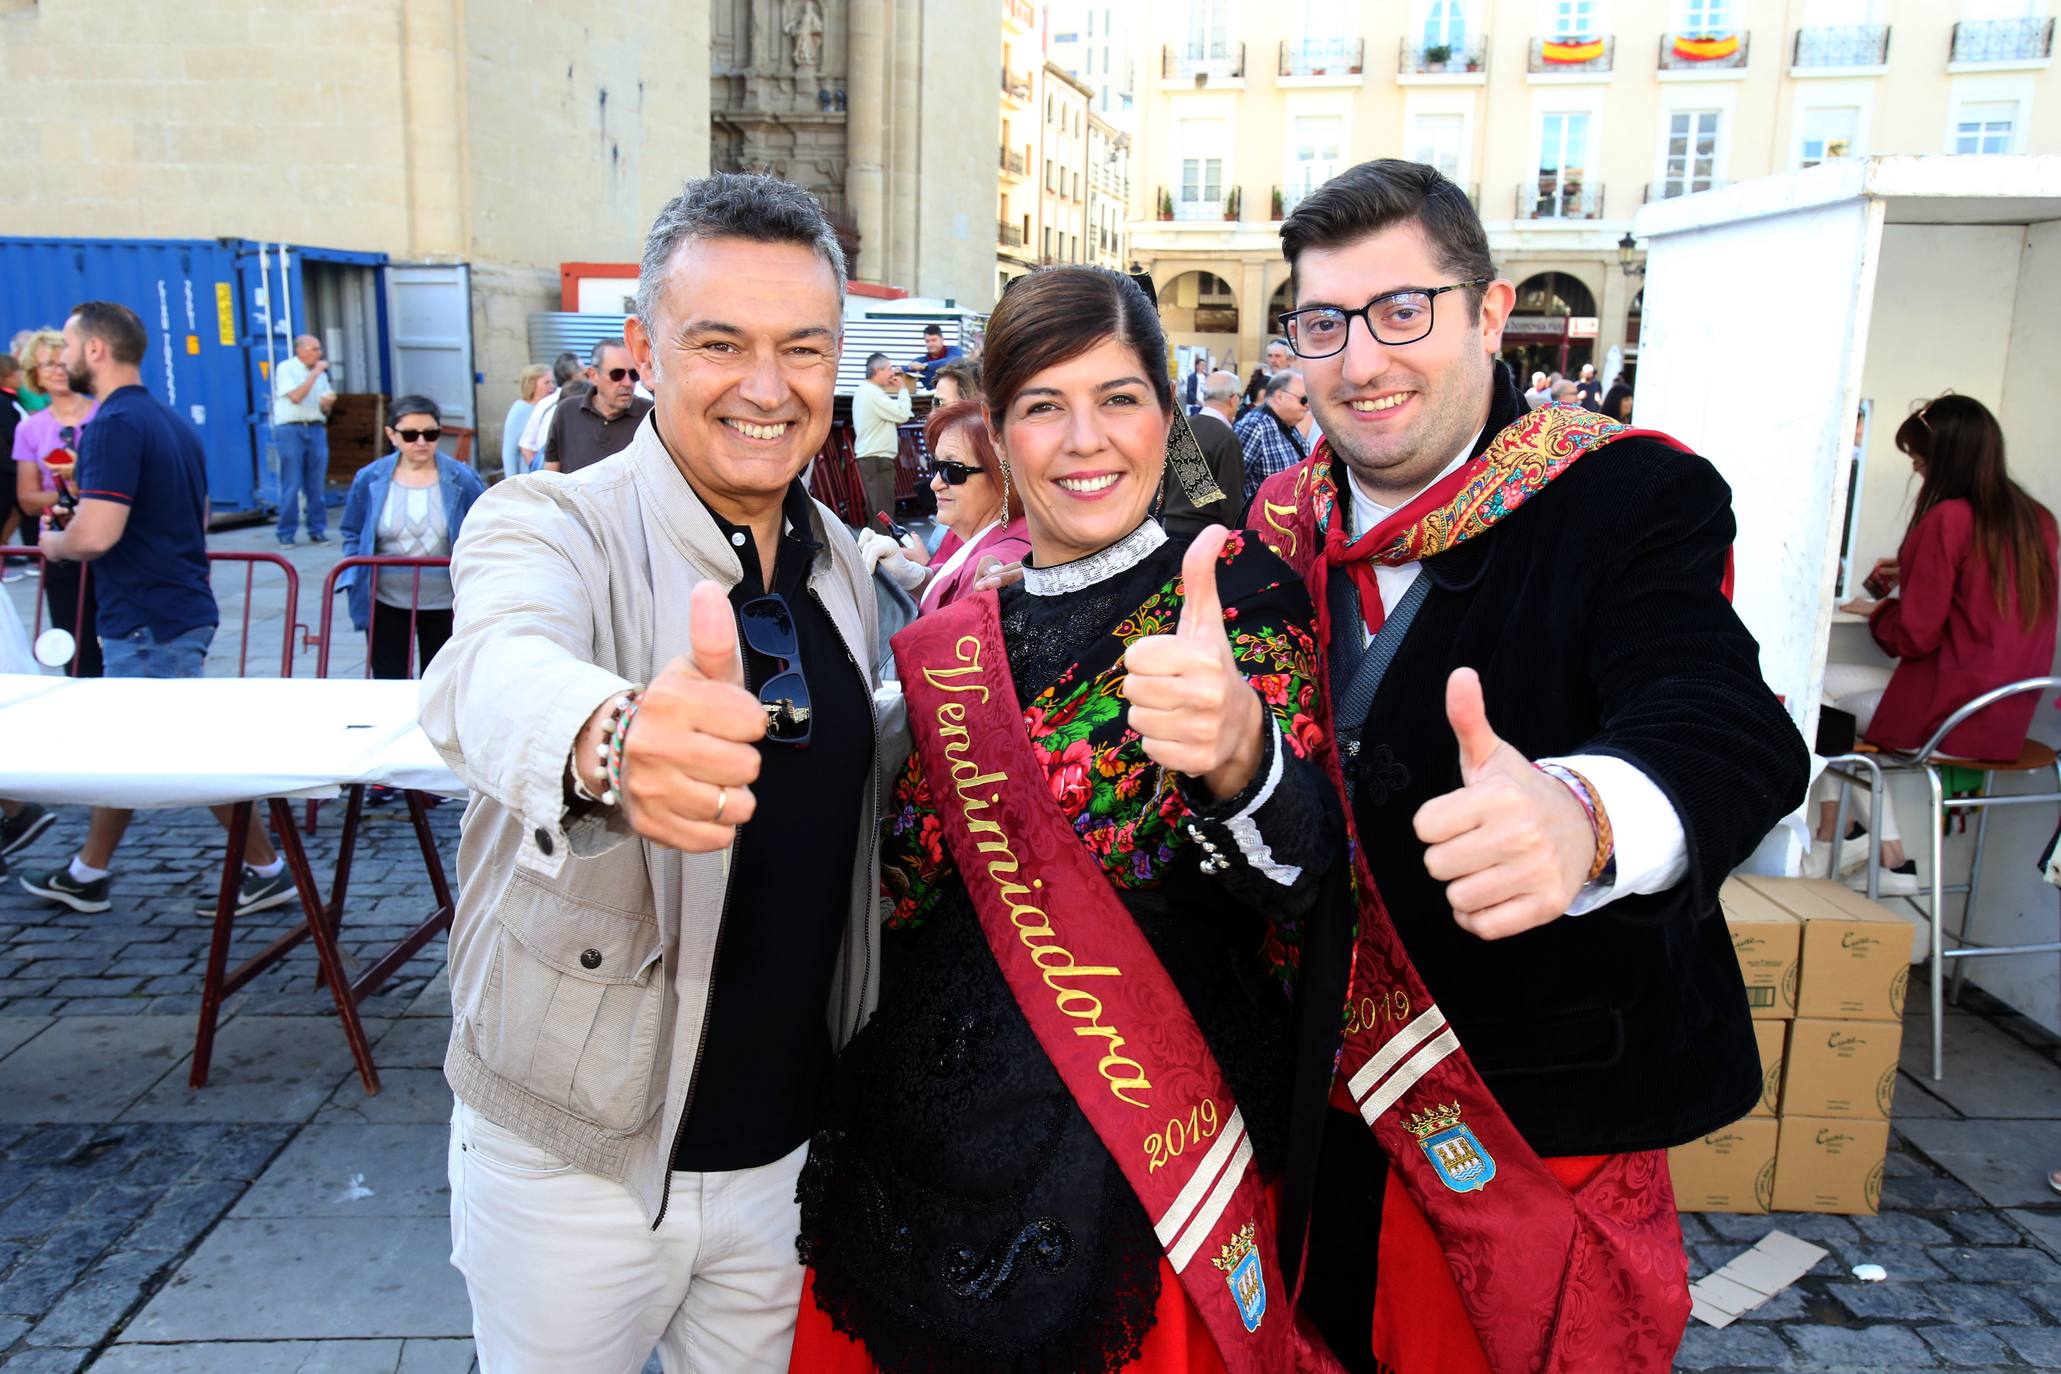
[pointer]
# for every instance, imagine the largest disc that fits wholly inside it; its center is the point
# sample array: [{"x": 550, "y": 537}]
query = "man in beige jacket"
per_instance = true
[{"x": 633, "y": 1110}]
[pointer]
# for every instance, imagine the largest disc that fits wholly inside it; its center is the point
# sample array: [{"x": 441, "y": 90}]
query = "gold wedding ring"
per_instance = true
[{"x": 722, "y": 800}]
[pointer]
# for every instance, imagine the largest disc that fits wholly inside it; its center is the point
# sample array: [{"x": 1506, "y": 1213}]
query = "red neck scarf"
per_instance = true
[{"x": 1517, "y": 465}]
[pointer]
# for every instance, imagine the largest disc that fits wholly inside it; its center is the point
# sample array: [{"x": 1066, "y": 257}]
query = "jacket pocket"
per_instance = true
[{"x": 573, "y": 1002}]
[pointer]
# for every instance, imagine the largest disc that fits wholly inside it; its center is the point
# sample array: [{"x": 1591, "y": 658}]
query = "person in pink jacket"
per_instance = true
[{"x": 972, "y": 494}]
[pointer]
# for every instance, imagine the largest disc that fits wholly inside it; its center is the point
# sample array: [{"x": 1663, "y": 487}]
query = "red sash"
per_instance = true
[
  {"x": 1101, "y": 1005},
  {"x": 1553, "y": 1282}
]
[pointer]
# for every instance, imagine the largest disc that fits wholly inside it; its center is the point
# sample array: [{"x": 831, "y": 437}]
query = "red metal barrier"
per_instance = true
[
  {"x": 329, "y": 590},
  {"x": 835, "y": 479},
  {"x": 290, "y": 622}
]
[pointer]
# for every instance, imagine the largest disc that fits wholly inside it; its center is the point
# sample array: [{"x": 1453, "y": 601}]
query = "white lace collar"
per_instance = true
[{"x": 1125, "y": 554}]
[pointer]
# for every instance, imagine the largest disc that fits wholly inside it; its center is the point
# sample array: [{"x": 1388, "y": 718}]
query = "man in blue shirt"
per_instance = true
[
  {"x": 142, "y": 522},
  {"x": 935, "y": 356}
]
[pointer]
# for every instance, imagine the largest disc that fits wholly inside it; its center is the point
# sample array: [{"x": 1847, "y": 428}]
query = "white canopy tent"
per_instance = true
[{"x": 1777, "y": 311}]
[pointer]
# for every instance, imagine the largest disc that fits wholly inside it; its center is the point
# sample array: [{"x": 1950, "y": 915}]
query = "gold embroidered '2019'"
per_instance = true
[{"x": 1124, "y": 1075}]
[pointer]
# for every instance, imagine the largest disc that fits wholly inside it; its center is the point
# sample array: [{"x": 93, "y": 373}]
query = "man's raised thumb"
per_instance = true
[
  {"x": 1202, "y": 611},
  {"x": 1469, "y": 719},
  {"x": 712, "y": 635}
]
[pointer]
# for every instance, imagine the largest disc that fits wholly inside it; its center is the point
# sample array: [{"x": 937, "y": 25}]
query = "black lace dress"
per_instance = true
[{"x": 958, "y": 1210}]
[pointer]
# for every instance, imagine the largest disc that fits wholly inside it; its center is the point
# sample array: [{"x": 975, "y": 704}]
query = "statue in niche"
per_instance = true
[
  {"x": 806, "y": 29},
  {"x": 762, "y": 36}
]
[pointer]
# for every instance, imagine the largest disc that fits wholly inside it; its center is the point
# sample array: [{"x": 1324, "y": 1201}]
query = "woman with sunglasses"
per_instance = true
[
  {"x": 1052, "y": 1146},
  {"x": 409, "y": 504},
  {"x": 46, "y": 445},
  {"x": 972, "y": 505},
  {"x": 1973, "y": 609}
]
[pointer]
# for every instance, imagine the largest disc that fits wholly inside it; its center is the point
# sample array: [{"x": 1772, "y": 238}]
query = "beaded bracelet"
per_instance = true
[
  {"x": 610, "y": 751},
  {"x": 618, "y": 736},
  {"x": 1599, "y": 819}
]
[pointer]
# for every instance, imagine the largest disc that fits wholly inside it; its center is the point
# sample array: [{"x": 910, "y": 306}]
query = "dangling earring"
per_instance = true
[
  {"x": 1159, "y": 491},
  {"x": 1005, "y": 491}
]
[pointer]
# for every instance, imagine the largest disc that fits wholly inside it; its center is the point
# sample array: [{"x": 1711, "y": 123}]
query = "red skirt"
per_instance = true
[
  {"x": 1177, "y": 1344},
  {"x": 1420, "y": 1324}
]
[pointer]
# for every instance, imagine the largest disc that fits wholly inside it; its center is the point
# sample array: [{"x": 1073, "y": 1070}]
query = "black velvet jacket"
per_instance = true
[{"x": 1595, "y": 618}]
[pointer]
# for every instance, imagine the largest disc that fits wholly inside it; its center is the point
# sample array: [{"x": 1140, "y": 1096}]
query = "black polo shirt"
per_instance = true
[
  {"x": 580, "y": 436},
  {"x": 766, "y": 1054}
]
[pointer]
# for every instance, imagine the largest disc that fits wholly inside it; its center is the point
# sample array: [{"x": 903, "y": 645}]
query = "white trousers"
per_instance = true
[
  {"x": 1857, "y": 688},
  {"x": 566, "y": 1277}
]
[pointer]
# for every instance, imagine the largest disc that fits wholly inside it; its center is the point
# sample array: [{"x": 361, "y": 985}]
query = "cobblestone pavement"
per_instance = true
[{"x": 280, "y": 1220}]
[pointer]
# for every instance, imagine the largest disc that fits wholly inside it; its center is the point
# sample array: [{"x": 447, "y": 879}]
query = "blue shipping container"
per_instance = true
[{"x": 220, "y": 313}]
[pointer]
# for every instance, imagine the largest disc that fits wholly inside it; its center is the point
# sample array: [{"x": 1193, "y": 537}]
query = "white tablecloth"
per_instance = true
[{"x": 148, "y": 742}]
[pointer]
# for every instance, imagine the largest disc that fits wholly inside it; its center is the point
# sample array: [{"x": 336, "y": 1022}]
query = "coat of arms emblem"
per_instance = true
[
  {"x": 1449, "y": 1143},
  {"x": 1240, "y": 1263}
]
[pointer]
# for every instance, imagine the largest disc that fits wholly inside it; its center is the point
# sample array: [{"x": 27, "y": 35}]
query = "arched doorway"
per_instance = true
[
  {"x": 1282, "y": 301},
  {"x": 1198, "y": 303},
  {"x": 1552, "y": 328}
]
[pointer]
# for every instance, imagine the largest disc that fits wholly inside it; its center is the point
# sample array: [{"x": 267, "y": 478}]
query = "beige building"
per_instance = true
[
  {"x": 866, "y": 103},
  {"x": 1065, "y": 184},
  {"x": 507, "y": 139},
  {"x": 1560, "y": 117},
  {"x": 1063, "y": 167},
  {"x": 1109, "y": 195},
  {"x": 1094, "y": 40}
]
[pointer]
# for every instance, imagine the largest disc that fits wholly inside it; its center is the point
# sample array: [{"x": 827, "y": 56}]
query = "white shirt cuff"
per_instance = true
[
  {"x": 1245, "y": 830},
  {"x": 1650, "y": 848}
]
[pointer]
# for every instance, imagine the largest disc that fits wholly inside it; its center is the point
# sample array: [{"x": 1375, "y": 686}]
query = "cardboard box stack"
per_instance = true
[{"x": 1825, "y": 972}]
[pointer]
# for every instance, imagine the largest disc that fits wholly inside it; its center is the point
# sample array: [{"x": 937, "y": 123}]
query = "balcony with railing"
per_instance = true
[
  {"x": 1554, "y": 198},
  {"x": 1702, "y": 52},
  {"x": 1572, "y": 56},
  {"x": 1842, "y": 45},
  {"x": 1679, "y": 186},
  {"x": 1009, "y": 234},
  {"x": 1202, "y": 208},
  {"x": 1202, "y": 62},
  {"x": 1014, "y": 163},
  {"x": 1310, "y": 57},
  {"x": 1982, "y": 41},
  {"x": 1420, "y": 58},
  {"x": 1017, "y": 86}
]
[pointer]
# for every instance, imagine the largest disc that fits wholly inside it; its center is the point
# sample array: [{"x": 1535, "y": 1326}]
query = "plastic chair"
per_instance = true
[{"x": 2033, "y": 758}]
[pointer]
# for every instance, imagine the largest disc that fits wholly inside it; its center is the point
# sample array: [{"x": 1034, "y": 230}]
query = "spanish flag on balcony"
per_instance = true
[
  {"x": 1708, "y": 48},
  {"x": 1580, "y": 50}
]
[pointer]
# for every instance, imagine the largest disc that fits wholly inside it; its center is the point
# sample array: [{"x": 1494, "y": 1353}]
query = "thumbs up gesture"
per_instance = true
[
  {"x": 1193, "y": 710},
  {"x": 1513, "y": 846},
  {"x": 690, "y": 758}
]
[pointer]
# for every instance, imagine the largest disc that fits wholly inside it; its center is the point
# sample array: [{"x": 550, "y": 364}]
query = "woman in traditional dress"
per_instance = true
[
  {"x": 972, "y": 505},
  {"x": 1052, "y": 1147}
]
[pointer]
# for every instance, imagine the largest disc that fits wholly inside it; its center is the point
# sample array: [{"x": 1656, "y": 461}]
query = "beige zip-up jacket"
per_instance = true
[{"x": 581, "y": 955}]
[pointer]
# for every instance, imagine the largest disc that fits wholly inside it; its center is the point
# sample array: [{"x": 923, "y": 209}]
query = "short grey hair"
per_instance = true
[
  {"x": 1221, "y": 386},
  {"x": 1564, "y": 391},
  {"x": 734, "y": 205},
  {"x": 602, "y": 346},
  {"x": 1278, "y": 382}
]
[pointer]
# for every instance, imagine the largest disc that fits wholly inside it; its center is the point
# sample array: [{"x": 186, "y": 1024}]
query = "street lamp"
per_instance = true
[{"x": 1628, "y": 256}]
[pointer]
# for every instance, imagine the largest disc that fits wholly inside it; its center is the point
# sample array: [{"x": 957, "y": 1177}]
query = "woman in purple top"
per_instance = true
[{"x": 48, "y": 438}]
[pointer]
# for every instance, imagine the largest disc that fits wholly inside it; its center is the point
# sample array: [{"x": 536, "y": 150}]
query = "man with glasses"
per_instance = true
[
  {"x": 1269, "y": 433},
  {"x": 1555, "y": 743},
  {"x": 605, "y": 419},
  {"x": 669, "y": 871}
]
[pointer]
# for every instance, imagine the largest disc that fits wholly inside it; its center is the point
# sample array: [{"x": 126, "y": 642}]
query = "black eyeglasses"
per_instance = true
[
  {"x": 616, "y": 374},
  {"x": 768, "y": 626},
  {"x": 416, "y": 436},
  {"x": 1400, "y": 317},
  {"x": 955, "y": 474}
]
